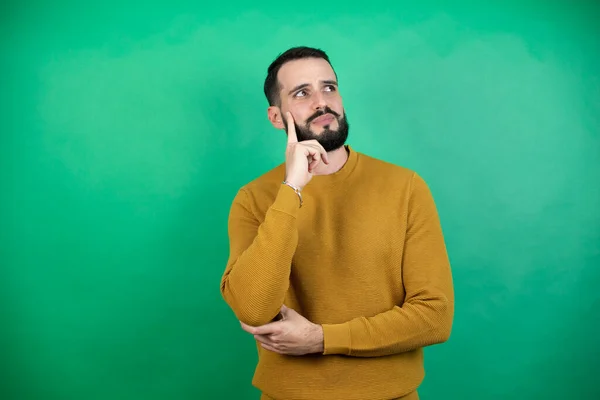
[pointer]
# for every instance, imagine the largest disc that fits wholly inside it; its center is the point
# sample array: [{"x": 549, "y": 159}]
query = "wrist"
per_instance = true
[
  {"x": 293, "y": 184},
  {"x": 318, "y": 346},
  {"x": 296, "y": 189}
]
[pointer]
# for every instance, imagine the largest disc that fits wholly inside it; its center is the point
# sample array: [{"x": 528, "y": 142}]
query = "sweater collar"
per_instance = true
[{"x": 341, "y": 174}]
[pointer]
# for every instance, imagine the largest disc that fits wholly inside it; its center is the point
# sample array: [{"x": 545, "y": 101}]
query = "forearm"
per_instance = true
[
  {"x": 256, "y": 278},
  {"x": 418, "y": 323}
]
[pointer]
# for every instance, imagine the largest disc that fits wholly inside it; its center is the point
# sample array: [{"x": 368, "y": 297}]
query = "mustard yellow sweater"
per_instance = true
[{"x": 364, "y": 257}]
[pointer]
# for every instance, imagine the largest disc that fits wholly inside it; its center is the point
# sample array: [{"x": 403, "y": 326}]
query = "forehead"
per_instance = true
[{"x": 304, "y": 71}]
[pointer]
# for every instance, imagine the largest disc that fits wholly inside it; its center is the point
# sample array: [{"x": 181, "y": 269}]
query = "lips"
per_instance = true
[{"x": 325, "y": 119}]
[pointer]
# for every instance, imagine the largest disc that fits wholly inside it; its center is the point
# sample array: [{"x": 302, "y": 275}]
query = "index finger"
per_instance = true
[{"x": 292, "y": 138}]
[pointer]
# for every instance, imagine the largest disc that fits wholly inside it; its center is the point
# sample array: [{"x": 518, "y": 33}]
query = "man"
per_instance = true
[{"x": 337, "y": 263}]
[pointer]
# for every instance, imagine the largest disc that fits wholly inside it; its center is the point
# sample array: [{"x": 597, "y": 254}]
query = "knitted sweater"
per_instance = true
[{"x": 364, "y": 257}]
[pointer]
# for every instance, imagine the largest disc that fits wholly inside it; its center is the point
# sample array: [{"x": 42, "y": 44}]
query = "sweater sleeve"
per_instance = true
[
  {"x": 425, "y": 318},
  {"x": 257, "y": 274}
]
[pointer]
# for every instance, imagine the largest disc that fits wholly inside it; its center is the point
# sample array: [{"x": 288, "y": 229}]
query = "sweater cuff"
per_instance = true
[
  {"x": 287, "y": 201},
  {"x": 336, "y": 339}
]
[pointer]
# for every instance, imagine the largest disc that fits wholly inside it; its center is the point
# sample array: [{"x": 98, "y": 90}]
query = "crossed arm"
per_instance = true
[{"x": 257, "y": 276}]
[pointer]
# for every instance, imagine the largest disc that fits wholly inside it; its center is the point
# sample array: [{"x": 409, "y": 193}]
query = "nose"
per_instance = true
[{"x": 319, "y": 101}]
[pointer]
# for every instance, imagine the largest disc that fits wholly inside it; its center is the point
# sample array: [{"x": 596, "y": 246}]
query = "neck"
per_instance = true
[{"x": 337, "y": 159}]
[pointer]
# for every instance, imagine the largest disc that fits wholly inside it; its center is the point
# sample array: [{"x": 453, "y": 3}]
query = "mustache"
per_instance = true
[{"x": 324, "y": 111}]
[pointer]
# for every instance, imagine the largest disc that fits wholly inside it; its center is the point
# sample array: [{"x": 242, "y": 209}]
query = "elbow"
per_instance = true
[
  {"x": 249, "y": 312},
  {"x": 443, "y": 327},
  {"x": 256, "y": 320},
  {"x": 257, "y": 316},
  {"x": 443, "y": 334},
  {"x": 436, "y": 315}
]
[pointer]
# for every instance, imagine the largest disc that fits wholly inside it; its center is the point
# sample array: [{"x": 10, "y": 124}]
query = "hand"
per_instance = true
[
  {"x": 301, "y": 158},
  {"x": 292, "y": 335}
]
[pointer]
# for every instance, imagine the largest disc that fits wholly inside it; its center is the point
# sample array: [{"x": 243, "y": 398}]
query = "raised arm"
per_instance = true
[{"x": 257, "y": 274}]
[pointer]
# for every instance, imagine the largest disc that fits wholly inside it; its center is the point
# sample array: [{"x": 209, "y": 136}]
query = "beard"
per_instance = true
[{"x": 330, "y": 139}]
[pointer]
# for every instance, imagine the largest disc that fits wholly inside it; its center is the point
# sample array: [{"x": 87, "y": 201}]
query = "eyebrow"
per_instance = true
[{"x": 303, "y": 85}]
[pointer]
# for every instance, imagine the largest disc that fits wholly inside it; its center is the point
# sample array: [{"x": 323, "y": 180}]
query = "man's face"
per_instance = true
[{"x": 309, "y": 91}]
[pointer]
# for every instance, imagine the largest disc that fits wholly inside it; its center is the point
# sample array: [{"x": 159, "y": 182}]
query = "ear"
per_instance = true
[{"x": 276, "y": 117}]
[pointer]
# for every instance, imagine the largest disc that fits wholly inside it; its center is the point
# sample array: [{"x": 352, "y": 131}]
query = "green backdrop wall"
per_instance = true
[{"x": 126, "y": 129}]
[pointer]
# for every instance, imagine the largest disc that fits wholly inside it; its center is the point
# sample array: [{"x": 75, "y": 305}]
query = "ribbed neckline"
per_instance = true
[{"x": 341, "y": 174}]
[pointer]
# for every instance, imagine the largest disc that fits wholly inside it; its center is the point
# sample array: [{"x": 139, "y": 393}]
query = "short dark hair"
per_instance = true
[{"x": 271, "y": 87}]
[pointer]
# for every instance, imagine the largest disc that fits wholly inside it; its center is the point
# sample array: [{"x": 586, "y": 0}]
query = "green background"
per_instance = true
[{"x": 126, "y": 129}]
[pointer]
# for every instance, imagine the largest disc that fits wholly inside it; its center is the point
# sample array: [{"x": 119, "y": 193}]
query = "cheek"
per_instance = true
[
  {"x": 301, "y": 114},
  {"x": 336, "y": 105}
]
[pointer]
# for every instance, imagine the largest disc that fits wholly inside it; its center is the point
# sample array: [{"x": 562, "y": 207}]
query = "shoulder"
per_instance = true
[
  {"x": 385, "y": 171},
  {"x": 264, "y": 186},
  {"x": 388, "y": 177}
]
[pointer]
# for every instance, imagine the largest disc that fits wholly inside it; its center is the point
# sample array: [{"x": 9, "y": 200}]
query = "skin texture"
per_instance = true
[{"x": 310, "y": 94}]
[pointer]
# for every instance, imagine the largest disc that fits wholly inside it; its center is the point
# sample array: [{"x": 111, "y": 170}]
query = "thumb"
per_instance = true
[{"x": 285, "y": 311}]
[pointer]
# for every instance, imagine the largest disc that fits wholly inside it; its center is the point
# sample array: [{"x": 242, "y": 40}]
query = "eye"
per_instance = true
[
  {"x": 300, "y": 93},
  {"x": 330, "y": 88}
]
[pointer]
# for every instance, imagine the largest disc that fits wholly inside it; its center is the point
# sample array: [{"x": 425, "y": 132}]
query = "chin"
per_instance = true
[{"x": 334, "y": 126}]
